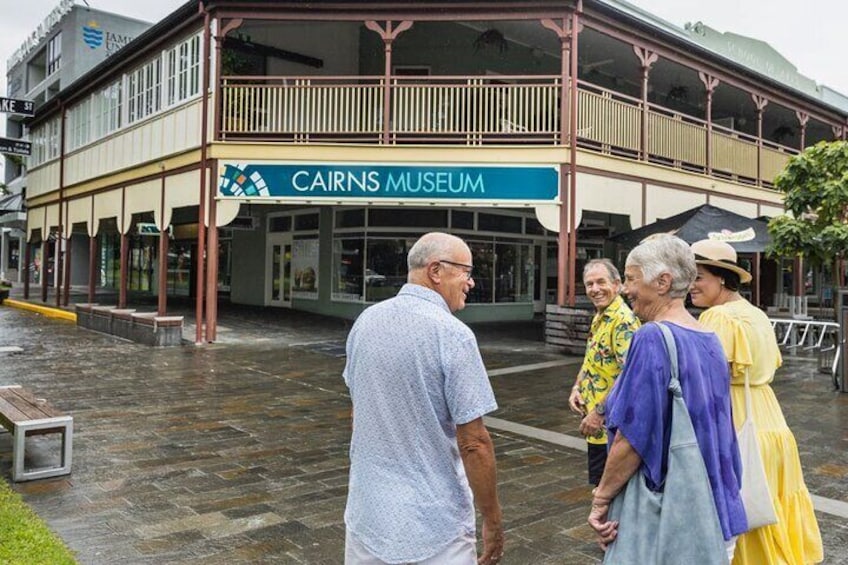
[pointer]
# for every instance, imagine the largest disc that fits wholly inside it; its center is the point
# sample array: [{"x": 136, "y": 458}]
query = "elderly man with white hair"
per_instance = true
[{"x": 419, "y": 447}]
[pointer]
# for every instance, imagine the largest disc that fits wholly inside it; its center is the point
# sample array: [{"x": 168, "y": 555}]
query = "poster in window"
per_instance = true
[{"x": 305, "y": 267}]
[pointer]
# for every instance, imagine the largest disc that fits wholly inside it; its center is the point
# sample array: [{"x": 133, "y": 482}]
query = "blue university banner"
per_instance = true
[{"x": 342, "y": 181}]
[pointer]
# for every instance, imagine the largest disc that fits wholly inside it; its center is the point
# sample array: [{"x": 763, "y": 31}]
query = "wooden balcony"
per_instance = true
[{"x": 485, "y": 110}]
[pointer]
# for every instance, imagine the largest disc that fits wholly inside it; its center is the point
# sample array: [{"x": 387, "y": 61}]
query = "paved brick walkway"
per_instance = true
[{"x": 237, "y": 452}]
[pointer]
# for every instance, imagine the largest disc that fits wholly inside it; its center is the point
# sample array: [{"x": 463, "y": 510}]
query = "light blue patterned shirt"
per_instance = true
[{"x": 414, "y": 373}]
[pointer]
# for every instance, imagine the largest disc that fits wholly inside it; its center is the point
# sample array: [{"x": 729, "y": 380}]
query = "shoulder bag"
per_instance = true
[
  {"x": 680, "y": 525},
  {"x": 756, "y": 497}
]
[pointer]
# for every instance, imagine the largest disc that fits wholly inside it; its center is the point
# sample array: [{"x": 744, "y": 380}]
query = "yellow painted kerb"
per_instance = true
[{"x": 43, "y": 310}]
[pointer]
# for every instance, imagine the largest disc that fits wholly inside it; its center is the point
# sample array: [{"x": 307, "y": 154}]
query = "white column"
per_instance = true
[
  {"x": 57, "y": 252},
  {"x": 4, "y": 252},
  {"x": 23, "y": 269}
]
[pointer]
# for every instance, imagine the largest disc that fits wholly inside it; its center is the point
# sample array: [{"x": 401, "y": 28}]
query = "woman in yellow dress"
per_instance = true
[{"x": 750, "y": 344}]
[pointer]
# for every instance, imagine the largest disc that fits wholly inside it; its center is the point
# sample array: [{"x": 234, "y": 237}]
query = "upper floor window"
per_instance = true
[
  {"x": 144, "y": 87},
  {"x": 107, "y": 110},
  {"x": 79, "y": 125},
  {"x": 183, "y": 80},
  {"x": 54, "y": 54},
  {"x": 45, "y": 142},
  {"x": 170, "y": 78}
]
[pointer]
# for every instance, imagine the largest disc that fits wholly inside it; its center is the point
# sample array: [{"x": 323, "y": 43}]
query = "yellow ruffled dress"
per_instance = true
[{"x": 749, "y": 342}]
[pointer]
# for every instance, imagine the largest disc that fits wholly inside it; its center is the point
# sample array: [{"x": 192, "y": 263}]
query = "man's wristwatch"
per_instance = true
[{"x": 601, "y": 409}]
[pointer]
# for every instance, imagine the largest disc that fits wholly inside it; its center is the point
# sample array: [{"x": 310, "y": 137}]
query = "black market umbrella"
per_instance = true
[{"x": 746, "y": 235}]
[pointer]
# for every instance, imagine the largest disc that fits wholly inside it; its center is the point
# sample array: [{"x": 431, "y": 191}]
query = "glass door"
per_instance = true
[{"x": 279, "y": 268}]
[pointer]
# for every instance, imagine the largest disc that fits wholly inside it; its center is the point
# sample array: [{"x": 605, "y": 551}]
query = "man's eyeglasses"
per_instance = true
[{"x": 467, "y": 269}]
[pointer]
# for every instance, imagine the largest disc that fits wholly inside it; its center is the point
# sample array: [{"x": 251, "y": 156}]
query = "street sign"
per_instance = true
[
  {"x": 15, "y": 146},
  {"x": 15, "y": 106}
]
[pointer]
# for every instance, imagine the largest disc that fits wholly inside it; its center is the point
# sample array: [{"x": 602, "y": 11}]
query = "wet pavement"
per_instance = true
[{"x": 236, "y": 452}]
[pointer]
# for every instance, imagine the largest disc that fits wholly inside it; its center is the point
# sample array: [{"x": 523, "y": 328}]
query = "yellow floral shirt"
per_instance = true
[{"x": 609, "y": 339}]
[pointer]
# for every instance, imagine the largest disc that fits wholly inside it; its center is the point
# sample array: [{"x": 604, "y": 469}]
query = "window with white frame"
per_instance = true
[
  {"x": 45, "y": 142},
  {"x": 145, "y": 90},
  {"x": 106, "y": 111},
  {"x": 37, "y": 138},
  {"x": 79, "y": 125},
  {"x": 153, "y": 87},
  {"x": 53, "y": 138},
  {"x": 132, "y": 99},
  {"x": 183, "y": 62},
  {"x": 169, "y": 79}
]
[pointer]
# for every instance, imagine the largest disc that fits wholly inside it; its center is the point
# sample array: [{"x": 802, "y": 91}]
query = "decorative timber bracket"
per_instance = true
[
  {"x": 803, "y": 118},
  {"x": 388, "y": 33},
  {"x": 567, "y": 32},
  {"x": 710, "y": 84},
  {"x": 760, "y": 103},
  {"x": 646, "y": 58}
]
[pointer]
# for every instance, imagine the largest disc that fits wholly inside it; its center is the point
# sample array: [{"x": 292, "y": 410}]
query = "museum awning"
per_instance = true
[{"x": 746, "y": 235}]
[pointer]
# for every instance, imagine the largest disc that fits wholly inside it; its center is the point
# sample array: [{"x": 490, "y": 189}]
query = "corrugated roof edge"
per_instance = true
[
  {"x": 678, "y": 33},
  {"x": 191, "y": 8}
]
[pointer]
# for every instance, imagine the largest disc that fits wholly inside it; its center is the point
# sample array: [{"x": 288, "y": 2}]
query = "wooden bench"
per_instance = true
[{"x": 25, "y": 415}]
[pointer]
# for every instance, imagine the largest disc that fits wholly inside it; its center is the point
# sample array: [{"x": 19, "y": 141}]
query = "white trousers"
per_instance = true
[{"x": 461, "y": 551}]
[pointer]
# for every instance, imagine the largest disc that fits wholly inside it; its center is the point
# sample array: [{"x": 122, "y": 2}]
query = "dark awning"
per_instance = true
[{"x": 746, "y": 235}]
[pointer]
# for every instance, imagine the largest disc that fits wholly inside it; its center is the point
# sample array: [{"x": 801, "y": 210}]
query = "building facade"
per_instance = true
[
  {"x": 288, "y": 155},
  {"x": 69, "y": 42}
]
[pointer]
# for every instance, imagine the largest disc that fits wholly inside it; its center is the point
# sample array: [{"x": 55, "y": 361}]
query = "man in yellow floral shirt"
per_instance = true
[{"x": 609, "y": 338}]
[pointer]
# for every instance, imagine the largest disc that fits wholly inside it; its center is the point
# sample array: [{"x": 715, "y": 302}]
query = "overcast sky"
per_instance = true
[{"x": 811, "y": 34}]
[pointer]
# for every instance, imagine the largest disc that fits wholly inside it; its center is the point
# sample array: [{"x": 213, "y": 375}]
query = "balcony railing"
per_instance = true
[
  {"x": 448, "y": 109},
  {"x": 485, "y": 110}
]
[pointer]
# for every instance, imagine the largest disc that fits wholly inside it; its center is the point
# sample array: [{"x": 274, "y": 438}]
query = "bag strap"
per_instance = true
[
  {"x": 671, "y": 348},
  {"x": 748, "y": 412}
]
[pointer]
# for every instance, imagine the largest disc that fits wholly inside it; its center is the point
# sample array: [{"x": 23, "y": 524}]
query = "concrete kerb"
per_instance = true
[
  {"x": 142, "y": 327},
  {"x": 43, "y": 310}
]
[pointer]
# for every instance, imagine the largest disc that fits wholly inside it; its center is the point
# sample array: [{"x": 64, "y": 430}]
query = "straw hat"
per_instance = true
[{"x": 719, "y": 254}]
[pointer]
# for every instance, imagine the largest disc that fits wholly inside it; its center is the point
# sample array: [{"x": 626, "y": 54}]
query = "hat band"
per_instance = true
[{"x": 725, "y": 261}]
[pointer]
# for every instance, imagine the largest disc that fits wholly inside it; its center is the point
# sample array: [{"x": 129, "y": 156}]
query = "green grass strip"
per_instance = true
[{"x": 24, "y": 537}]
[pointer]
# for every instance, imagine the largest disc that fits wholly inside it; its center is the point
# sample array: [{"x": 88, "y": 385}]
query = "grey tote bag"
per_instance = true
[{"x": 678, "y": 526}]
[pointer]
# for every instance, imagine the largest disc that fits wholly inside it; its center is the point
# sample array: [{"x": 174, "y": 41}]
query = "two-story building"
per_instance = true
[
  {"x": 69, "y": 42},
  {"x": 288, "y": 154}
]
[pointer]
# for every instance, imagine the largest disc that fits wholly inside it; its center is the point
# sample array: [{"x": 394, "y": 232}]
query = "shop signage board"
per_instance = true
[
  {"x": 378, "y": 183},
  {"x": 149, "y": 228},
  {"x": 16, "y": 106},
  {"x": 15, "y": 146}
]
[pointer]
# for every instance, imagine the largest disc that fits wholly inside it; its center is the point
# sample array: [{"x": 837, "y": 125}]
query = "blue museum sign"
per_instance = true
[{"x": 341, "y": 181}]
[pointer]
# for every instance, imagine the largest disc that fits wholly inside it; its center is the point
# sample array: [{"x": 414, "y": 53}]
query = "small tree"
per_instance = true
[{"x": 815, "y": 183}]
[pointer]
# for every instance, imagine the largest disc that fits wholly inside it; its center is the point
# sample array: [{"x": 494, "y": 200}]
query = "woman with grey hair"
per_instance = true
[{"x": 657, "y": 276}]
